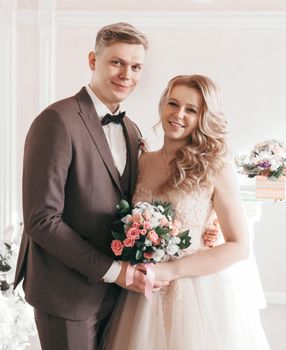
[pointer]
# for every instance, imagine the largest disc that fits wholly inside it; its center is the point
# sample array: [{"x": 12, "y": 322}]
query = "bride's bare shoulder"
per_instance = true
[
  {"x": 147, "y": 159},
  {"x": 226, "y": 179},
  {"x": 148, "y": 156}
]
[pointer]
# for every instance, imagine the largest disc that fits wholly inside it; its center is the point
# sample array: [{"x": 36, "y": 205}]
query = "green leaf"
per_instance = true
[
  {"x": 133, "y": 261},
  {"x": 277, "y": 173},
  {"x": 185, "y": 243},
  {"x": 168, "y": 210},
  {"x": 140, "y": 244},
  {"x": 126, "y": 253},
  {"x": 138, "y": 255},
  {"x": 166, "y": 236},
  {"x": 123, "y": 208},
  {"x": 162, "y": 231},
  {"x": 119, "y": 236},
  {"x": 184, "y": 234}
]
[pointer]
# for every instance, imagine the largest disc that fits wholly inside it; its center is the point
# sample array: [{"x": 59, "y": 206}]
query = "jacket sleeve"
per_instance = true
[{"x": 47, "y": 157}]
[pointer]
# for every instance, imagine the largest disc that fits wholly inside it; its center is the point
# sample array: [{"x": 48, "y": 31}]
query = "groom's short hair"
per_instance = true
[{"x": 119, "y": 32}]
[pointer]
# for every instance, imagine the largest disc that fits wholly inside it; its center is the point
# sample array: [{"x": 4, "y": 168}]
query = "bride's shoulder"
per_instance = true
[
  {"x": 226, "y": 177},
  {"x": 147, "y": 159},
  {"x": 148, "y": 156}
]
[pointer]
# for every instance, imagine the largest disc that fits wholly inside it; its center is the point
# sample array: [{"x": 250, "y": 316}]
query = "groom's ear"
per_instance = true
[{"x": 92, "y": 60}]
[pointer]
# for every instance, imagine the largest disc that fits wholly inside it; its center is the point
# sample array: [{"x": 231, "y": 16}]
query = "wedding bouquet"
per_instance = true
[
  {"x": 148, "y": 233},
  {"x": 267, "y": 159}
]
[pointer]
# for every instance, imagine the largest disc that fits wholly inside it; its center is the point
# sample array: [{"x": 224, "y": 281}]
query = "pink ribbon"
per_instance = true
[
  {"x": 150, "y": 278},
  {"x": 130, "y": 274}
]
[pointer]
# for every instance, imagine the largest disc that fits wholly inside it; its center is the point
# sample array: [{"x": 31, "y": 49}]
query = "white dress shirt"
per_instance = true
[{"x": 116, "y": 141}]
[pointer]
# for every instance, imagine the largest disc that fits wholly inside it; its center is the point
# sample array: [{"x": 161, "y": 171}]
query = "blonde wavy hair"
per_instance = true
[{"x": 196, "y": 163}]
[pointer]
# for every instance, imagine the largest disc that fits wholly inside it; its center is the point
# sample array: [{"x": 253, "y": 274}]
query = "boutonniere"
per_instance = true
[{"x": 142, "y": 145}]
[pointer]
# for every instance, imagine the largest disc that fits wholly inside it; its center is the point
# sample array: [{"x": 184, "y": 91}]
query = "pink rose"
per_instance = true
[
  {"x": 133, "y": 233},
  {"x": 164, "y": 222},
  {"x": 147, "y": 225},
  {"x": 143, "y": 232},
  {"x": 148, "y": 255},
  {"x": 174, "y": 232},
  {"x": 117, "y": 247},
  {"x": 154, "y": 238},
  {"x": 136, "y": 225},
  {"x": 128, "y": 242}
]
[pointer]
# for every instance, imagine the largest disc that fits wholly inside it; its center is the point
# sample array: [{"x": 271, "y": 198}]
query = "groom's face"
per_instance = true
[{"x": 116, "y": 70}]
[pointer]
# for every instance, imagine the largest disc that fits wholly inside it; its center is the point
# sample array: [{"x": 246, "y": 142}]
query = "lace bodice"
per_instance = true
[{"x": 194, "y": 210}]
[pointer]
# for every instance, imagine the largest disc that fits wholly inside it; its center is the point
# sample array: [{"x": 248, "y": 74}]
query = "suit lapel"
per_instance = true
[
  {"x": 131, "y": 143},
  {"x": 92, "y": 122}
]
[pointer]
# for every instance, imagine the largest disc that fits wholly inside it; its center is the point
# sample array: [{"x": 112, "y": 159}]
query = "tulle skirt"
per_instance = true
[{"x": 200, "y": 313}]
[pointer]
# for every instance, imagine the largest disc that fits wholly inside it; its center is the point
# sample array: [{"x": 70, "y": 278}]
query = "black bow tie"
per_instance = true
[{"x": 109, "y": 118}]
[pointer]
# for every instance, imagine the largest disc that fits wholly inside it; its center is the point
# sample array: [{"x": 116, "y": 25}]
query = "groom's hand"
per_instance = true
[
  {"x": 139, "y": 279},
  {"x": 211, "y": 234}
]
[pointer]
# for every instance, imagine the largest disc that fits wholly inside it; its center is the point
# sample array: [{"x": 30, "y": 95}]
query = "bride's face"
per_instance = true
[{"x": 181, "y": 113}]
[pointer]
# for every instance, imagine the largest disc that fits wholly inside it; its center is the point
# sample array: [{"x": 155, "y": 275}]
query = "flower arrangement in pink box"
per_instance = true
[
  {"x": 267, "y": 163},
  {"x": 267, "y": 159}
]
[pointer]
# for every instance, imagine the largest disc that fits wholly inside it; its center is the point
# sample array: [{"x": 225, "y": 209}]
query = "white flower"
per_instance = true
[
  {"x": 275, "y": 165},
  {"x": 158, "y": 255},
  {"x": 148, "y": 243},
  {"x": 175, "y": 240},
  {"x": 16, "y": 316},
  {"x": 172, "y": 249},
  {"x": 137, "y": 211},
  {"x": 126, "y": 219}
]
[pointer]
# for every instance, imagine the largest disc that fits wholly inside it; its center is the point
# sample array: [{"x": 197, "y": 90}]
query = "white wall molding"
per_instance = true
[
  {"x": 8, "y": 166},
  {"x": 155, "y": 19},
  {"x": 275, "y": 298},
  {"x": 27, "y": 18},
  {"x": 188, "y": 19},
  {"x": 46, "y": 21}
]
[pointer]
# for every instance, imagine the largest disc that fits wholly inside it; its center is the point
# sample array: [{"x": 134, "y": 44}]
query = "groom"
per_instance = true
[{"x": 79, "y": 161}]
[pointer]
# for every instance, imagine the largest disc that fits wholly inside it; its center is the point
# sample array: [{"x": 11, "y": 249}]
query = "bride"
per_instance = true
[{"x": 202, "y": 307}]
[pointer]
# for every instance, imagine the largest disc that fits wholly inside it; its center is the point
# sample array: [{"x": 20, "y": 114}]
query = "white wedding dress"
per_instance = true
[{"x": 213, "y": 312}]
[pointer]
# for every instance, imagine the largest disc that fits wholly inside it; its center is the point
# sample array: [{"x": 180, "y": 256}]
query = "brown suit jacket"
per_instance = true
[{"x": 70, "y": 191}]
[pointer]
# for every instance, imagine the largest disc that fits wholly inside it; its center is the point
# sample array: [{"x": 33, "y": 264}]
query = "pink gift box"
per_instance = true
[{"x": 270, "y": 189}]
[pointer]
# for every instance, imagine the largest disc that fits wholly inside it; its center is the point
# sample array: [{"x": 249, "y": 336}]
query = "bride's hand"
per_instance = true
[{"x": 165, "y": 271}]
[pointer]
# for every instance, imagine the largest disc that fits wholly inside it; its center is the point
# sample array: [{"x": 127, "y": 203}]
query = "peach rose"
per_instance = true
[
  {"x": 128, "y": 242},
  {"x": 154, "y": 238},
  {"x": 133, "y": 233},
  {"x": 137, "y": 217},
  {"x": 117, "y": 247}
]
